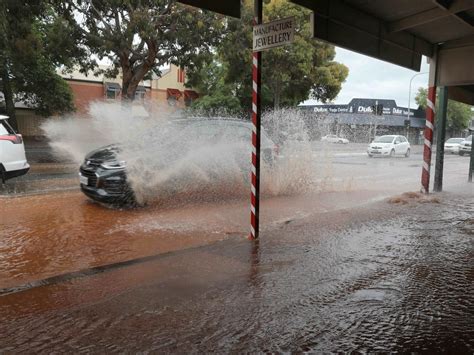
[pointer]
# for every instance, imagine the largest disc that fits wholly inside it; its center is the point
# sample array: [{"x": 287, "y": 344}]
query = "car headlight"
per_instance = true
[{"x": 114, "y": 164}]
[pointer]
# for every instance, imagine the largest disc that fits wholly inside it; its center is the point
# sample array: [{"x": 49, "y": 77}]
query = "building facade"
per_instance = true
[
  {"x": 165, "y": 93},
  {"x": 362, "y": 119}
]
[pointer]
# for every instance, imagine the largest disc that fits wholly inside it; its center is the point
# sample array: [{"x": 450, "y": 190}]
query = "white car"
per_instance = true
[
  {"x": 465, "y": 146},
  {"x": 390, "y": 145},
  {"x": 452, "y": 145},
  {"x": 332, "y": 138},
  {"x": 12, "y": 152}
]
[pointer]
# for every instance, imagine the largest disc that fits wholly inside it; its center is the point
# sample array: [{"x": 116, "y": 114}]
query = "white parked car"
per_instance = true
[
  {"x": 12, "y": 152},
  {"x": 465, "y": 146},
  {"x": 390, "y": 145},
  {"x": 452, "y": 145},
  {"x": 332, "y": 138}
]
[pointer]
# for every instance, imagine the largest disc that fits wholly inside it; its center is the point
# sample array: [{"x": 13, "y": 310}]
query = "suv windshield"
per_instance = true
[{"x": 384, "y": 139}]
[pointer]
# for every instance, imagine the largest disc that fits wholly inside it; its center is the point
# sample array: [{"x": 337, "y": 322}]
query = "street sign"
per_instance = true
[{"x": 273, "y": 34}]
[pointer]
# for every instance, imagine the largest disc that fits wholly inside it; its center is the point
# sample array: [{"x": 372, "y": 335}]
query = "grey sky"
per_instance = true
[{"x": 372, "y": 78}]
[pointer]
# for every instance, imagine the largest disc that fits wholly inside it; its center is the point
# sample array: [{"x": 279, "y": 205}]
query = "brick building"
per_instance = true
[
  {"x": 159, "y": 94},
  {"x": 163, "y": 93}
]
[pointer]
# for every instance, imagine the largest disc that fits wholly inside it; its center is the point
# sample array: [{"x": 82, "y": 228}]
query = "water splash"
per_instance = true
[{"x": 168, "y": 159}]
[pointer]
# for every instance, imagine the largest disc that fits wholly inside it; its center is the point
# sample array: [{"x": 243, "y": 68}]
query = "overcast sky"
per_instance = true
[{"x": 372, "y": 78}]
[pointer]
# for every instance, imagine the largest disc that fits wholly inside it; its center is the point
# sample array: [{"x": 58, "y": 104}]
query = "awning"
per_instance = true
[
  {"x": 190, "y": 94},
  {"x": 173, "y": 93},
  {"x": 112, "y": 86}
]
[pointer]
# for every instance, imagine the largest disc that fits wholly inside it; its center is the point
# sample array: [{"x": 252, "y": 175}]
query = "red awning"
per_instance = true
[
  {"x": 190, "y": 94},
  {"x": 173, "y": 93}
]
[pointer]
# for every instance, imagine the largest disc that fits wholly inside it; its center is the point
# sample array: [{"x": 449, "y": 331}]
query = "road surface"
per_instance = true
[{"x": 352, "y": 265}]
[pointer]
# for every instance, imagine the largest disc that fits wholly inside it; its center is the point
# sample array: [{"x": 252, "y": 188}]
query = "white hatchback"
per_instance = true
[
  {"x": 12, "y": 152},
  {"x": 390, "y": 145},
  {"x": 452, "y": 145}
]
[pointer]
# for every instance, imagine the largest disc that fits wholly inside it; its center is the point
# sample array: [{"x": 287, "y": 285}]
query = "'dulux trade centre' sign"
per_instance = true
[{"x": 273, "y": 34}]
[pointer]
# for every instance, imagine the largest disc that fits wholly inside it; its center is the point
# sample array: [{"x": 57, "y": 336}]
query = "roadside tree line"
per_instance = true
[{"x": 138, "y": 37}]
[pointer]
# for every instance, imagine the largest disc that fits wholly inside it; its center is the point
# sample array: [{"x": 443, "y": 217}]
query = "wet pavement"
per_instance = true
[{"x": 355, "y": 267}]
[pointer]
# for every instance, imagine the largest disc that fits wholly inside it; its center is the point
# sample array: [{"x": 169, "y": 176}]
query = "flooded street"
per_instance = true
[{"x": 357, "y": 266}]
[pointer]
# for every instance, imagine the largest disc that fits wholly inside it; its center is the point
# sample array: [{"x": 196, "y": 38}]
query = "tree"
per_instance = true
[
  {"x": 290, "y": 73},
  {"x": 459, "y": 114},
  {"x": 140, "y": 36},
  {"x": 218, "y": 96},
  {"x": 33, "y": 42}
]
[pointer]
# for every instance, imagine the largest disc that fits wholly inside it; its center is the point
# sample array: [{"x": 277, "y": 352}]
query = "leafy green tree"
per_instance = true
[
  {"x": 33, "y": 42},
  {"x": 139, "y": 36},
  {"x": 290, "y": 73},
  {"x": 459, "y": 114},
  {"x": 218, "y": 97}
]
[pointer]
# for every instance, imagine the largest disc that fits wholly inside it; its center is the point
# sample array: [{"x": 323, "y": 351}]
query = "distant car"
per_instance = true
[
  {"x": 12, "y": 152},
  {"x": 466, "y": 146},
  {"x": 389, "y": 145},
  {"x": 332, "y": 138},
  {"x": 103, "y": 176},
  {"x": 452, "y": 145}
]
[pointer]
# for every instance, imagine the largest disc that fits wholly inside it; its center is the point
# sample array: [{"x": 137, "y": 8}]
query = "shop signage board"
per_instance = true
[{"x": 273, "y": 34}]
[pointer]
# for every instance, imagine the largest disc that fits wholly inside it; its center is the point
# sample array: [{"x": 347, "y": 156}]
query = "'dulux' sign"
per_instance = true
[{"x": 273, "y": 34}]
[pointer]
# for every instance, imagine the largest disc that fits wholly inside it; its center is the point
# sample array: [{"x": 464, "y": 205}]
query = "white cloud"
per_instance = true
[{"x": 372, "y": 78}]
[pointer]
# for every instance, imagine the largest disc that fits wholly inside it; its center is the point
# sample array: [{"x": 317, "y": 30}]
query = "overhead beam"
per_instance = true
[
  {"x": 431, "y": 15},
  {"x": 467, "y": 41},
  {"x": 456, "y": 10},
  {"x": 227, "y": 7},
  {"x": 462, "y": 94},
  {"x": 336, "y": 22}
]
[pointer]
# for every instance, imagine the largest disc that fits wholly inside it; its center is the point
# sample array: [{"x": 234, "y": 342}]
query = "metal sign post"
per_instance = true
[
  {"x": 256, "y": 117},
  {"x": 429, "y": 124},
  {"x": 265, "y": 36}
]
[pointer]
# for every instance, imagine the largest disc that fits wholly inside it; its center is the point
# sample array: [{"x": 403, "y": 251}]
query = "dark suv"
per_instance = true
[{"x": 103, "y": 176}]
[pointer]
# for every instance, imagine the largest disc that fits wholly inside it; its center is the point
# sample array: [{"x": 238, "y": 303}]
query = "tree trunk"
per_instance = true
[
  {"x": 9, "y": 103},
  {"x": 126, "y": 79}
]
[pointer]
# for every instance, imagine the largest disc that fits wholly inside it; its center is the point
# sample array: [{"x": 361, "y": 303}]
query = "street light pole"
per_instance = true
[{"x": 409, "y": 96}]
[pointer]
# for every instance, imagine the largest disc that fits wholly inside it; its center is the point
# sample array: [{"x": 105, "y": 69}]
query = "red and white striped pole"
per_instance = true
[
  {"x": 429, "y": 125},
  {"x": 256, "y": 116},
  {"x": 429, "y": 128}
]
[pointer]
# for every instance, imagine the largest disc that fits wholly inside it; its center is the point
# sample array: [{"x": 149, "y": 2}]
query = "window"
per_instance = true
[
  {"x": 190, "y": 96},
  {"x": 181, "y": 75},
  {"x": 3, "y": 129},
  {"x": 112, "y": 91},
  {"x": 111, "y": 94},
  {"x": 140, "y": 93},
  {"x": 384, "y": 139},
  {"x": 173, "y": 96}
]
